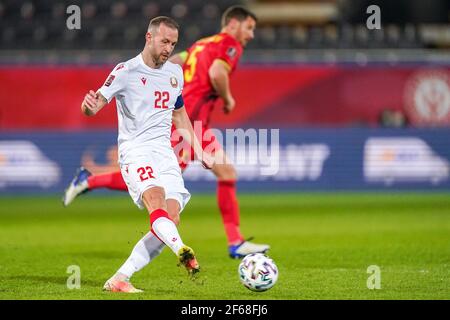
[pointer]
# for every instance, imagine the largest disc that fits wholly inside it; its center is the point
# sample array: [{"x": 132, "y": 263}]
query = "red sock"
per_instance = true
[
  {"x": 112, "y": 181},
  {"x": 229, "y": 209},
  {"x": 158, "y": 213}
]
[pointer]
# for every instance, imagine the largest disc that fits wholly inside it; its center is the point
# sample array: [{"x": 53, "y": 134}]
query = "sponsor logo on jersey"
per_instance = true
[
  {"x": 109, "y": 80},
  {"x": 231, "y": 52},
  {"x": 144, "y": 80},
  {"x": 173, "y": 82}
]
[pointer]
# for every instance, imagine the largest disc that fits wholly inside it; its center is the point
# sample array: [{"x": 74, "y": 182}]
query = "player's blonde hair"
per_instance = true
[{"x": 156, "y": 22}]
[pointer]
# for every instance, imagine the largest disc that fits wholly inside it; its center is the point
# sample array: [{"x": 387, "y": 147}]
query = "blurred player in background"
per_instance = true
[
  {"x": 207, "y": 66},
  {"x": 148, "y": 90}
]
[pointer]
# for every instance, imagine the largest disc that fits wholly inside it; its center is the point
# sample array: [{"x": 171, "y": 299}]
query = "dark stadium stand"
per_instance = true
[
  {"x": 110, "y": 24},
  {"x": 34, "y": 31}
]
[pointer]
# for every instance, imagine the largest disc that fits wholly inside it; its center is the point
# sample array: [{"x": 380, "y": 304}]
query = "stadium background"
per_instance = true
[
  {"x": 357, "y": 109},
  {"x": 312, "y": 65}
]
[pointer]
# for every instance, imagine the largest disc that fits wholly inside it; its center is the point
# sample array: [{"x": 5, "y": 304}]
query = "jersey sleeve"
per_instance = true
[
  {"x": 115, "y": 82},
  {"x": 179, "y": 103},
  {"x": 230, "y": 52}
]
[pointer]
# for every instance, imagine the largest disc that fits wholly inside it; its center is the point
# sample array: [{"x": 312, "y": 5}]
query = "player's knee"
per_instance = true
[
  {"x": 226, "y": 172},
  {"x": 173, "y": 209},
  {"x": 233, "y": 173},
  {"x": 154, "y": 198}
]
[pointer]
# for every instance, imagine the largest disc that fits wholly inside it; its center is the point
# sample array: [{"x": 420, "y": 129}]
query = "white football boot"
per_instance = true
[{"x": 246, "y": 247}]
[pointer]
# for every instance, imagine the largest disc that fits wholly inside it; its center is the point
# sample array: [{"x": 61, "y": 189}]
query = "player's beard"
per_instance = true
[
  {"x": 163, "y": 58},
  {"x": 159, "y": 60}
]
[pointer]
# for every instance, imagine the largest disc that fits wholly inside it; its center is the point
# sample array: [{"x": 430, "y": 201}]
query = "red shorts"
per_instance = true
[{"x": 185, "y": 152}]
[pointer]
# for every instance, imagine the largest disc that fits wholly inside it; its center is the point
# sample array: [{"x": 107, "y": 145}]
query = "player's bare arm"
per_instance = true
[
  {"x": 182, "y": 122},
  {"x": 219, "y": 76},
  {"x": 179, "y": 58},
  {"x": 92, "y": 103}
]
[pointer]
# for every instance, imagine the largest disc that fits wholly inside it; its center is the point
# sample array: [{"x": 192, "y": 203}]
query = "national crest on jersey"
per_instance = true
[
  {"x": 145, "y": 100},
  {"x": 173, "y": 82}
]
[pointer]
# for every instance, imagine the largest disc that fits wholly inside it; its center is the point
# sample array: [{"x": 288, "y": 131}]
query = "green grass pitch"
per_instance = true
[{"x": 322, "y": 244}]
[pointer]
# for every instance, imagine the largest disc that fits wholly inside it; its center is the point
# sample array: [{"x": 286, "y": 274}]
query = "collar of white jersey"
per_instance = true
[{"x": 142, "y": 62}]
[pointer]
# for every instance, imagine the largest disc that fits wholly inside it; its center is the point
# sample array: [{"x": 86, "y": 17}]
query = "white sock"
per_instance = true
[
  {"x": 147, "y": 249},
  {"x": 167, "y": 231}
]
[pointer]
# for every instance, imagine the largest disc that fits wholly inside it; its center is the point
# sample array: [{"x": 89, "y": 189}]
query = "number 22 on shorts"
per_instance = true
[{"x": 145, "y": 173}]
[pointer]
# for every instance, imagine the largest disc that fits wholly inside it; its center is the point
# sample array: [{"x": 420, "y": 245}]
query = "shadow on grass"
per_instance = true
[{"x": 53, "y": 280}]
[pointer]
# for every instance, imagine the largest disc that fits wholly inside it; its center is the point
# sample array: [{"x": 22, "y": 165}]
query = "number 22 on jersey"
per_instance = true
[{"x": 161, "y": 99}]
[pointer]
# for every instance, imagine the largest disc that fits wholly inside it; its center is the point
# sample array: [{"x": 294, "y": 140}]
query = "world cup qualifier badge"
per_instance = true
[
  {"x": 109, "y": 80},
  {"x": 173, "y": 82},
  {"x": 231, "y": 52}
]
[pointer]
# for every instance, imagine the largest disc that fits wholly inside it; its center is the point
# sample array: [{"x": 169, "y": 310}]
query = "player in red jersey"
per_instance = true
[{"x": 207, "y": 66}]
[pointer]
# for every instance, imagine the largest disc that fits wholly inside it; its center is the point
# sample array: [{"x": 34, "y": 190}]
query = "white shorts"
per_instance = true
[{"x": 158, "y": 168}]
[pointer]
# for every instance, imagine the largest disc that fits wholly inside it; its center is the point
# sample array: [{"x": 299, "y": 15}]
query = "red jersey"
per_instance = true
[{"x": 198, "y": 94}]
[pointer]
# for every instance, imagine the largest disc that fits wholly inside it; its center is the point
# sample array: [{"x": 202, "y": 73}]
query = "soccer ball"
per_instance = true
[{"x": 258, "y": 272}]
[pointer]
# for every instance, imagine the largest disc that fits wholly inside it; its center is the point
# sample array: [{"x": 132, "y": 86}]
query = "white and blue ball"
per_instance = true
[{"x": 258, "y": 272}]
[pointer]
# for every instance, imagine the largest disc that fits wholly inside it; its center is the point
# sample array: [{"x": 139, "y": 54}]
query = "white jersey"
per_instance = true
[{"x": 145, "y": 100}]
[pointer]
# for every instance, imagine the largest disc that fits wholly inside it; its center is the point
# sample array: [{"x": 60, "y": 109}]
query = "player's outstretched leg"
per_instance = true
[
  {"x": 147, "y": 249},
  {"x": 229, "y": 209},
  {"x": 84, "y": 181},
  {"x": 110, "y": 180},
  {"x": 165, "y": 229},
  {"x": 77, "y": 186}
]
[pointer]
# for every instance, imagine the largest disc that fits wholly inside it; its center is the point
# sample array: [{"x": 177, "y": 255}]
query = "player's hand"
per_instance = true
[
  {"x": 207, "y": 161},
  {"x": 90, "y": 103},
  {"x": 229, "y": 105}
]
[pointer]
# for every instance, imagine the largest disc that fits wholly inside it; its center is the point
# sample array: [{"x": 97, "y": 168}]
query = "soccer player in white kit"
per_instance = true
[{"x": 148, "y": 90}]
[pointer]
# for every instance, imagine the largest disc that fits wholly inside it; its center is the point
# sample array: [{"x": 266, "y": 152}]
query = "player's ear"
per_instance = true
[{"x": 148, "y": 36}]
